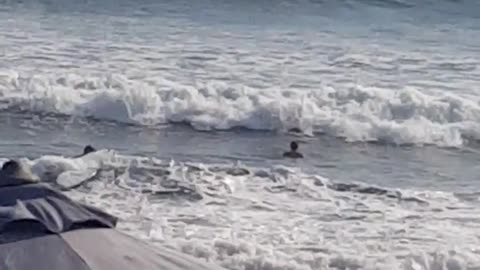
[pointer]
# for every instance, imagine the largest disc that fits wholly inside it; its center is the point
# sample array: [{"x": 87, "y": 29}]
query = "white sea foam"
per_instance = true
[
  {"x": 244, "y": 220},
  {"x": 353, "y": 112},
  {"x": 358, "y": 83},
  {"x": 349, "y": 71}
]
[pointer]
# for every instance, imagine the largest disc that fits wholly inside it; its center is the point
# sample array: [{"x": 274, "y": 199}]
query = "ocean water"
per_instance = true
[{"x": 192, "y": 104}]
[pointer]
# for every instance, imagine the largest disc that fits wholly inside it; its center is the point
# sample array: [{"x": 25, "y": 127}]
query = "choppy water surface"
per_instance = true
[{"x": 195, "y": 100}]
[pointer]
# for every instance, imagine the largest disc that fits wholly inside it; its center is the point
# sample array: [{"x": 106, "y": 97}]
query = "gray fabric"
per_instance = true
[
  {"x": 42, "y": 229},
  {"x": 93, "y": 249},
  {"x": 7, "y": 180},
  {"x": 115, "y": 250},
  {"x": 51, "y": 209},
  {"x": 49, "y": 252}
]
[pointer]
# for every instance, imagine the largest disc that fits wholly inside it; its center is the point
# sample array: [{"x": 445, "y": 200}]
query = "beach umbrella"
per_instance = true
[{"x": 42, "y": 229}]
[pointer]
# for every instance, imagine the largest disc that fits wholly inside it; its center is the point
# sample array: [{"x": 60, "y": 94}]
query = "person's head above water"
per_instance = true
[
  {"x": 293, "y": 146},
  {"x": 88, "y": 149},
  {"x": 293, "y": 151}
]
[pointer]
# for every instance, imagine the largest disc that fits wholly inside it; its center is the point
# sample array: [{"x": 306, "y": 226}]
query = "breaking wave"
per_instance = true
[{"x": 353, "y": 112}]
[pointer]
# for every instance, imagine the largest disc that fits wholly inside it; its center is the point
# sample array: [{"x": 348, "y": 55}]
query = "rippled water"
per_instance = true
[{"x": 384, "y": 93}]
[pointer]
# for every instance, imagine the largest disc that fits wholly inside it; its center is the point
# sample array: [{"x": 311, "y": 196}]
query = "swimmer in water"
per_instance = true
[
  {"x": 88, "y": 149},
  {"x": 293, "y": 151}
]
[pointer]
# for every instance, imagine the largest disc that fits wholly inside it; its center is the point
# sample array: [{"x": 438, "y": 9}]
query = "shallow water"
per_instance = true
[{"x": 385, "y": 94}]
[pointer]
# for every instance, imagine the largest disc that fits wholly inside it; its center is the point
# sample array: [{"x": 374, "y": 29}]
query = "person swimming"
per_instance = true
[
  {"x": 88, "y": 149},
  {"x": 293, "y": 151}
]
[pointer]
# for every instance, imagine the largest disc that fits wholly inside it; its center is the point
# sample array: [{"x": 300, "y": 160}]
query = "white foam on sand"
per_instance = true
[{"x": 278, "y": 218}]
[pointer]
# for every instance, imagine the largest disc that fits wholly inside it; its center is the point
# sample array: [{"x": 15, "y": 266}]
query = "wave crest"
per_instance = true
[{"x": 353, "y": 112}]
